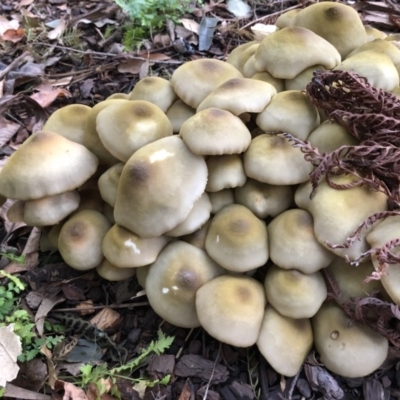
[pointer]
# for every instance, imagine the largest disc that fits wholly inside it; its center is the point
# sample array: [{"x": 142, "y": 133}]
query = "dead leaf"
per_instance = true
[
  {"x": 239, "y": 8},
  {"x": 86, "y": 307},
  {"x": 106, "y": 318},
  {"x": 9, "y": 226},
  {"x": 10, "y": 349},
  {"x": 144, "y": 70},
  {"x": 7, "y": 130},
  {"x": 45, "y": 307},
  {"x": 190, "y": 25},
  {"x": 5, "y": 24},
  {"x": 20, "y": 393},
  {"x": 72, "y": 392},
  {"x": 48, "y": 93},
  {"x": 130, "y": 66},
  {"x": 58, "y": 30},
  {"x": 23, "y": 3},
  {"x": 260, "y": 31},
  {"x": 13, "y": 35}
]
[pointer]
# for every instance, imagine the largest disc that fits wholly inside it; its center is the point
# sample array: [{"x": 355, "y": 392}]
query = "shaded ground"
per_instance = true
[{"x": 55, "y": 53}]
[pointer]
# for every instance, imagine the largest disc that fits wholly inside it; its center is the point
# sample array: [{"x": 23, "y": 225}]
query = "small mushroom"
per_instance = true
[
  {"x": 108, "y": 184},
  {"x": 221, "y": 199},
  {"x": 112, "y": 273},
  {"x": 178, "y": 113}
]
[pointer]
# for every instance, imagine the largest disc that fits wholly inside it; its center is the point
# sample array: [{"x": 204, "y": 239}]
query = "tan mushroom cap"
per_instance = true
[
  {"x": 278, "y": 84},
  {"x": 284, "y": 342},
  {"x": 373, "y": 33},
  {"x": 263, "y": 199},
  {"x": 221, "y": 199},
  {"x": 16, "y": 211},
  {"x": 239, "y": 95},
  {"x": 195, "y": 80},
  {"x": 246, "y": 54},
  {"x": 112, "y": 273},
  {"x": 346, "y": 347},
  {"x": 338, "y": 213},
  {"x": 383, "y": 232},
  {"x": 237, "y": 240},
  {"x": 199, "y": 215},
  {"x": 69, "y": 121},
  {"x": 249, "y": 68},
  {"x": 54, "y": 234},
  {"x": 225, "y": 172},
  {"x": 50, "y": 210},
  {"x": 290, "y": 111},
  {"x": 46, "y": 164},
  {"x": 178, "y": 113},
  {"x": 350, "y": 279},
  {"x": 118, "y": 96},
  {"x": 108, "y": 212},
  {"x": 173, "y": 280},
  {"x": 125, "y": 128},
  {"x": 215, "y": 132},
  {"x": 396, "y": 91},
  {"x": 293, "y": 245},
  {"x": 198, "y": 238},
  {"x": 156, "y": 90},
  {"x": 337, "y": 23},
  {"x": 108, "y": 183},
  {"x": 231, "y": 309},
  {"x": 282, "y": 53},
  {"x": 377, "y": 67},
  {"x": 301, "y": 81},
  {"x": 287, "y": 18},
  {"x": 124, "y": 249},
  {"x": 381, "y": 46},
  {"x": 329, "y": 136},
  {"x": 158, "y": 187},
  {"x": 235, "y": 56},
  {"x": 91, "y": 137},
  {"x": 141, "y": 275},
  {"x": 294, "y": 294},
  {"x": 80, "y": 239},
  {"x": 272, "y": 159},
  {"x": 90, "y": 200}
]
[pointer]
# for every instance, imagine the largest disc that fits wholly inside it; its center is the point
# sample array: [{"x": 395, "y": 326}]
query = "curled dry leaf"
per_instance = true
[{"x": 10, "y": 349}]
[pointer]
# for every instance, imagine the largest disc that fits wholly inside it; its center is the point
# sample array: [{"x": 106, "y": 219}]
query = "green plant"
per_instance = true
[
  {"x": 99, "y": 374},
  {"x": 18, "y": 258}
]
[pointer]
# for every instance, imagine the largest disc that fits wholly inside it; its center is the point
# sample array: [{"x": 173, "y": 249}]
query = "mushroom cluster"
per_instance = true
[{"x": 191, "y": 185}]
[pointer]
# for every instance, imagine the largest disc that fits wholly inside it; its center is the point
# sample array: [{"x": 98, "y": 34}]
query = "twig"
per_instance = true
[
  {"x": 178, "y": 354},
  {"x": 212, "y": 372},
  {"x": 129, "y": 305},
  {"x": 15, "y": 64}
]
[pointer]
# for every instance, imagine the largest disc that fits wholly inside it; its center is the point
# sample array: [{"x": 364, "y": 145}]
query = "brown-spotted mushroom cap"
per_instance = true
[
  {"x": 346, "y": 347},
  {"x": 195, "y": 80},
  {"x": 294, "y": 294},
  {"x": 158, "y": 187},
  {"x": 337, "y": 23},
  {"x": 199, "y": 215},
  {"x": 46, "y": 164},
  {"x": 221, "y": 199},
  {"x": 239, "y": 95},
  {"x": 178, "y": 113},
  {"x": 282, "y": 53},
  {"x": 80, "y": 239},
  {"x": 272, "y": 159},
  {"x": 231, "y": 309},
  {"x": 263, "y": 199},
  {"x": 290, "y": 111},
  {"x": 156, "y": 90},
  {"x": 293, "y": 245},
  {"x": 237, "y": 240},
  {"x": 108, "y": 183},
  {"x": 278, "y": 84},
  {"x": 215, "y": 132},
  {"x": 50, "y": 210},
  {"x": 173, "y": 280},
  {"x": 125, "y": 128},
  {"x": 284, "y": 342},
  {"x": 112, "y": 273},
  {"x": 69, "y": 121},
  {"x": 124, "y": 249},
  {"x": 91, "y": 137},
  {"x": 225, "y": 172}
]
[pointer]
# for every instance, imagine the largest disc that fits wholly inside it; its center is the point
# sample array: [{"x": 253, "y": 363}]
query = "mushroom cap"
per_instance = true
[
  {"x": 178, "y": 113},
  {"x": 278, "y": 84},
  {"x": 118, "y": 96},
  {"x": 230, "y": 308},
  {"x": 225, "y": 172},
  {"x": 245, "y": 55},
  {"x": 125, "y": 128},
  {"x": 272, "y": 159},
  {"x": 198, "y": 238},
  {"x": 50, "y": 210},
  {"x": 301, "y": 81},
  {"x": 381, "y": 46},
  {"x": 199, "y": 215},
  {"x": 337, "y": 23},
  {"x": 239, "y": 95},
  {"x": 204, "y": 76},
  {"x": 156, "y": 90},
  {"x": 158, "y": 187},
  {"x": 46, "y": 164},
  {"x": 141, "y": 275},
  {"x": 124, "y": 249},
  {"x": 284, "y": 342},
  {"x": 91, "y": 136},
  {"x": 237, "y": 240},
  {"x": 234, "y": 57},
  {"x": 173, "y": 280},
  {"x": 293, "y": 245},
  {"x": 221, "y": 199},
  {"x": 69, "y": 121},
  {"x": 249, "y": 68},
  {"x": 16, "y": 211},
  {"x": 287, "y": 18},
  {"x": 373, "y": 33},
  {"x": 294, "y": 294},
  {"x": 215, "y": 132},
  {"x": 108, "y": 212},
  {"x": 346, "y": 347},
  {"x": 80, "y": 239},
  {"x": 282, "y": 53},
  {"x": 90, "y": 200},
  {"x": 377, "y": 67},
  {"x": 112, "y": 273},
  {"x": 263, "y": 199},
  {"x": 108, "y": 183},
  {"x": 290, "y": 111}
]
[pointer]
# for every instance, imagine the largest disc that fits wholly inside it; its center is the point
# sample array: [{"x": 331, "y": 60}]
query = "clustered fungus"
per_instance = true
[{"x": 209, "y": 188}]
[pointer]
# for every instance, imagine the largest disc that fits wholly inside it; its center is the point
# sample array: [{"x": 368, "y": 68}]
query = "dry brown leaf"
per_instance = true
[
  {"x": 130, "y": 66},
  {"x": 45, "y": 307},
  {"x": 191, "y": 25},
  {"x": 10, "y": 349},
  {"x": 72, "y": 392},
  {"x": 5, "y": 24},
  {"x": 24, "y": 3},
  {"x": 105, "y": 319},
  {"x": 8, "y": 226},
  {"x": 20, "y": 393},
  {"x": 13, "y": 35},
  {"x": 7, "y": 130},
  {"x": 47, "y": 94},
  {"x": 85, "y": 307},
  {"x": 157, "y": 57}
]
